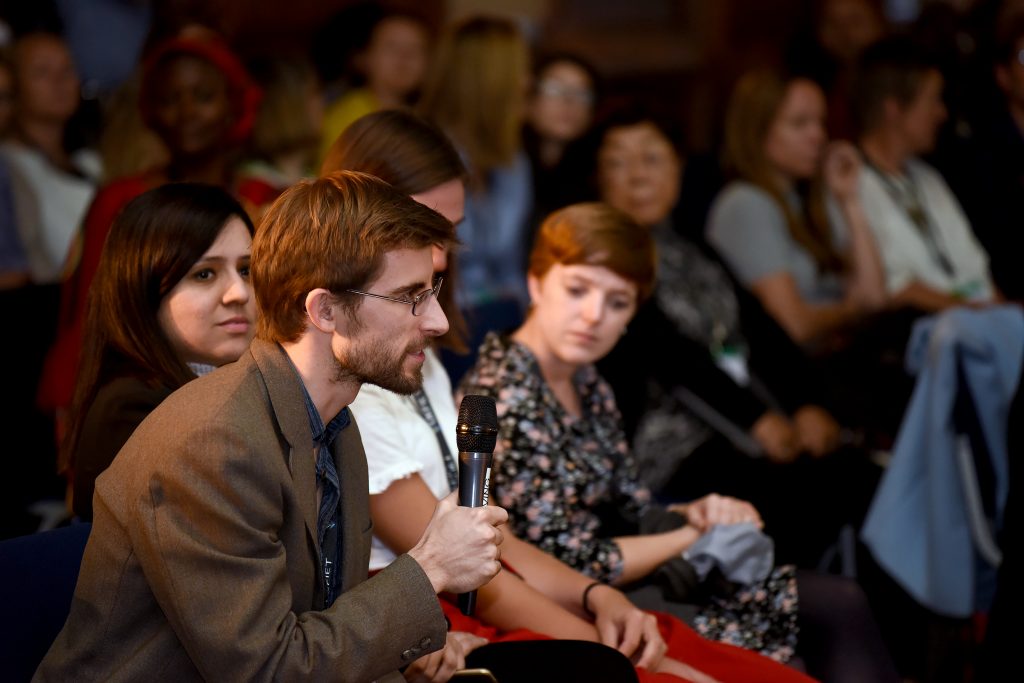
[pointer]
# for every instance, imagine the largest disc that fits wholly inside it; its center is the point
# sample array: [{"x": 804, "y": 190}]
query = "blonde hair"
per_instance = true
[
  {"x": 752, "y": 110},
  {"x": 475, "y": 90}
]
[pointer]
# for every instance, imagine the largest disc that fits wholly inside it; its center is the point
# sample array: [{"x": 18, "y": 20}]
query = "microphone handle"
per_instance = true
[{"x": 474, "y": 481}]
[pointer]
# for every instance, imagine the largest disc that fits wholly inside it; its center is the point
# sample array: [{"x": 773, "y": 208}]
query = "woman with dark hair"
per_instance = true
[
  {"x": 198, "y": 98},
  {"x": 409, "y": 443},
  {"x": 559, "y": 113},
  {"x": 171, "y": 299}
]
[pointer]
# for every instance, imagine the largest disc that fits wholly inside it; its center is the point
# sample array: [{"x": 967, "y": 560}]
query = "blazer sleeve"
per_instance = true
[
  {"x": 207, "y": 538},
  {"x": 119, "y": 408}
]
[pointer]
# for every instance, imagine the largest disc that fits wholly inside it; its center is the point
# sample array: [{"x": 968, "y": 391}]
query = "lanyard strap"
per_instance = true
[
  {"x": 427, "y": 413},
  {"x": 908, "y": 198}
]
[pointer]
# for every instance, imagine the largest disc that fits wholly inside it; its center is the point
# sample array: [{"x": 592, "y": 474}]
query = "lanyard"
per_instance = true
[
  {"x": 907, "y": 197},
  {"x": 427, "y": 413}
]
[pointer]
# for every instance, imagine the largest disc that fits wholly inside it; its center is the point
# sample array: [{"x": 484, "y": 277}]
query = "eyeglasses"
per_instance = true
[
  {"x": 419, "y": 302},
  {"x": 552, "y": 88}
]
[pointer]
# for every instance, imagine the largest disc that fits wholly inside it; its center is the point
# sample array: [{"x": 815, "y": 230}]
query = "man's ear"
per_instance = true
[{"x": 319, "y": 306}]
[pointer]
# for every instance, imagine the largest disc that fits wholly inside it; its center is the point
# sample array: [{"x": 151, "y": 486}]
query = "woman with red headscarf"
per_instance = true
[{"x": 198, "y": 98}]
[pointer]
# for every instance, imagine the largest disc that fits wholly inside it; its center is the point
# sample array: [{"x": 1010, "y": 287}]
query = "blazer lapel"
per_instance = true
[
  {"x": 350, "y": 461},
  {"x": 285, "y": 391}
]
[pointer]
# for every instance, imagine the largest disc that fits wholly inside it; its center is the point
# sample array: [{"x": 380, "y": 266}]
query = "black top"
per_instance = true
[{"x": 656, "y": 350}]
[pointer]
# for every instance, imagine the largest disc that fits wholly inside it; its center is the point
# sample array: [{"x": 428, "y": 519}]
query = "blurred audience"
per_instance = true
[
  {"x": 840, "y": 30},
  {"x": 793, "y": 229},
  {"x": 714, "y": 396},
  {"x": 816, "y": 274},
  {"x": 391, "y": 68},
  {"x": 57, "y": 182},
  {"x": 48, "y": 185},
  {"x": 284, "y": 141}
]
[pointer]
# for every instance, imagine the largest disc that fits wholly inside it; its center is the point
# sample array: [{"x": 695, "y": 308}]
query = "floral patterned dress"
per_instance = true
[{"x": 564, "y": 479}]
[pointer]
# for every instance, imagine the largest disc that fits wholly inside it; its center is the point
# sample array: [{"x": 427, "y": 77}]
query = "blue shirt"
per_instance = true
[{"x": 328, "y": 523}]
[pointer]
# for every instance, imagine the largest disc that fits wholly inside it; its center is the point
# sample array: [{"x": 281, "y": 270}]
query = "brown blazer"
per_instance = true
[{"x": 203, "y": 561}]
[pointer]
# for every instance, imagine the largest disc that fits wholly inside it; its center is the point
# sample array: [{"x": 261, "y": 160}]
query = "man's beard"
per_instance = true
[{"x": 373, "y": 362}]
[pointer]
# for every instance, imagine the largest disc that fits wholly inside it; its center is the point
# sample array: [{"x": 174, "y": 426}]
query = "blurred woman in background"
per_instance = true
[
  {"x": 476, "y": 93},
  {"x": 792, "y": 227},
  {"x": 559, "y": 113}
]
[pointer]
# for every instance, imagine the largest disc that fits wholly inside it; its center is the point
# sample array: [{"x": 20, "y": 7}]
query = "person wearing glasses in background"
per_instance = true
[{"x": 559, "y": 114}]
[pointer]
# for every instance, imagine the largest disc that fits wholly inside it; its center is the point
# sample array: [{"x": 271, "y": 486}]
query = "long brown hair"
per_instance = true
[
  {"x": 752, "y": 110},
  {"x": 152, "y": 245},
  {"x": 476, "y": 90},
  {"x": 413, "y": 156}
]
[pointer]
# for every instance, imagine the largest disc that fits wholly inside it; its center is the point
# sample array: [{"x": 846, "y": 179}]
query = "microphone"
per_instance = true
[{"x": 475, "y": 434}]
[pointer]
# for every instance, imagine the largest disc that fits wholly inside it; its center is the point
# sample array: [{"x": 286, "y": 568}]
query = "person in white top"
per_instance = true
[
  {"x": 931, "y": 257},
  {"x": 53, "y": 187}
]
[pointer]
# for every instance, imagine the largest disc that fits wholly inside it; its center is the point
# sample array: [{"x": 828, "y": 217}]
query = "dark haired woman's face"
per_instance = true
[
  {"x": 209, "y": 316},
  {"x": 563, "y": 102},
  {"x": 193, "y": 111},
  {"x": 639, "y": 172}
]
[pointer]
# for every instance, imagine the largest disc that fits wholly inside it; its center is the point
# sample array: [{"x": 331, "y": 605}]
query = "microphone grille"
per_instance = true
[{"x": 477, "y": 429}]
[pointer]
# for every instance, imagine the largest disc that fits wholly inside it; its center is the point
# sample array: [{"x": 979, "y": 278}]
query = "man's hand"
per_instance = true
[
  {"x": 624, "y": 626},
  {"x": 713, "y": 509},
  {"x": 459, "y": 548},
  {"x": 438, "y": 667},
  {"x": 817, "y": 430},
  {"x": 775, "y": 434}
]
